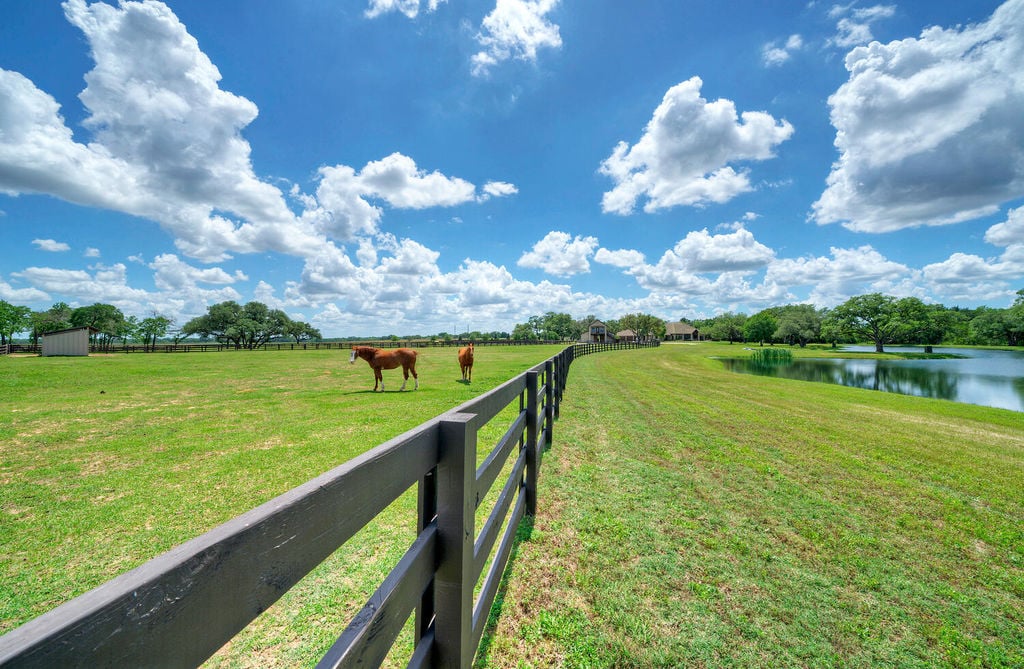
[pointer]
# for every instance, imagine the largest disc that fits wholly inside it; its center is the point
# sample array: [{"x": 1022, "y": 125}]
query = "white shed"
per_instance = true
[{"x": 74, "y": 341}]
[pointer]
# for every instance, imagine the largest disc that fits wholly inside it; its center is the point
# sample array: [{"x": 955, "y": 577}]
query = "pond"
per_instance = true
[{"x": 986, "y": 377}]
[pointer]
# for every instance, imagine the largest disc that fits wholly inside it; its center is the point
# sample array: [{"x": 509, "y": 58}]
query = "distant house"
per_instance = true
[
  {"x": 597, "y": 333},
  {"x": 625, "y": 335},
  {"x": 681, "y": 332},
  {"x": 74, "y": 341}
]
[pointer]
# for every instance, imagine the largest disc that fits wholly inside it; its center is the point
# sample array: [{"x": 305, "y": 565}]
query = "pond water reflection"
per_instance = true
[{"x": 990, "y": 378}]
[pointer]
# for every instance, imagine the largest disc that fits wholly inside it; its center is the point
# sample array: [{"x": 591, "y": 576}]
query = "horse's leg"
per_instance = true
[
  {"x": 405, "y": 373},
  {"x": 378, "y": 377},
  {"x": 416, "y": 378}
]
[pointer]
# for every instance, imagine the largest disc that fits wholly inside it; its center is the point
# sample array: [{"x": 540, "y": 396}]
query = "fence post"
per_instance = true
[
  {"x": 456, "y": 506},
  {"x": 549, "y": 401},
  {"x": 531, "y": 443},
  {"x": 559, "y": 380}
]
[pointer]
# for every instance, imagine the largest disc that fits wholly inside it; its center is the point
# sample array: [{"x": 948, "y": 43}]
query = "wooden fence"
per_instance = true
[
  {"x": 179, "y": 608},
  {"x": 205, "y": 347}
]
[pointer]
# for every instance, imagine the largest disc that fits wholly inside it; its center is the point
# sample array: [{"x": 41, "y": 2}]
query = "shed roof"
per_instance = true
[{"x": 82, "y": 327}]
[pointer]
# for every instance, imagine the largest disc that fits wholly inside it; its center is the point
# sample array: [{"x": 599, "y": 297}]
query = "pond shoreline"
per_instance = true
[{"x": 987, "y": 377}]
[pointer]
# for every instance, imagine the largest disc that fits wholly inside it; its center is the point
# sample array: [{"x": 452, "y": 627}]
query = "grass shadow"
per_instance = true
[{"x": 523, "y": 533}]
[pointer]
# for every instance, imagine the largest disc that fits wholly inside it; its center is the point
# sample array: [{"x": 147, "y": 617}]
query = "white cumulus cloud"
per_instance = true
[
  {"x": 854, "y": 26},
  {"x": 1010, "y": 231},
  {"x": 834, "y": 279},
  {"x": 624, "y": 258},
  {"x": 684, "y": 155},
  {"x": 498, "y": 189},
  {"x": 929, "y": 130},
  {"x": 50, "y": 245},
  {"x": 560, "y": 254},
  {"x": 515, "y": 29},
  {"x": 411, "y": 8},
  {"x": 773, "y": 55}
]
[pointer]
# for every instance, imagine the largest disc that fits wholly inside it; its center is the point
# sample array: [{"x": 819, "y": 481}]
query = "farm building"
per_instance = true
[
  {"x": 681, "y": 332},
  {"x": 74, "y": 341},
  {"x": 625, "y": 336},
  {"x": 597, "y": 332}
]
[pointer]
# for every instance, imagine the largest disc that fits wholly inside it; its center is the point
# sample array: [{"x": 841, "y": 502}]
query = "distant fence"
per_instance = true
[
  {"x": 206, "y": 347},
  {"x": 181, "y": 607}
]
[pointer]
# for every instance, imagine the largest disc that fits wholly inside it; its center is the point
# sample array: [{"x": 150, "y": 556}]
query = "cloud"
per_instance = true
[
  {"x": 834, "y": 279},
  {"x": 773, "y": 55},
  {"x": 701, "y": 252},
  {"x": 1011, "y": 231},
  {"x": 91, "y": 252},
  {"x": 624, "y": 258},
  {"x": 411, "y": 8},
  {"x": 515, "y": 29},
  {"x": 397, "y": 180},
  {"x": 342, "y": 207},
  {"x": 971, "y": 277},
  {"x": 166, "y": 142},
  {"x": 683, "y": 157},
  {"x": 21, "y": 295},
  {"x": 51, "y": 245},
  {"x": 167, "y": 145},
  {"x": 38, "y": 154},
  {"x": 172, "y": 274},
  {"x": 497, "y": 189},
  {"x": 681, "y": 269},
  {"x": 929, "y": 130},
  {"x": 560, "y": 254},
  {"x": 855, "y": 25},
  {"x": 102, "y": 283}
]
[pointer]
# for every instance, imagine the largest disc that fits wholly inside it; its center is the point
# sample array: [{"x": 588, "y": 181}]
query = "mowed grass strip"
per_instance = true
[
  {"x": 693, "y": 517},
  {"x": 108, "y": 461}
]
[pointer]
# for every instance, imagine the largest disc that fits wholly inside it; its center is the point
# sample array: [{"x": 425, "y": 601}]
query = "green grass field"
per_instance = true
[
  {"x": 688, "y": 516},
  {"x": 691, "y": 517},
  {"x": 108, "y": 461}
]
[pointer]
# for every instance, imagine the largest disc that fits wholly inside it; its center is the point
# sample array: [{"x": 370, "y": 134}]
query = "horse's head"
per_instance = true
[{"x": 352, "y": 358}]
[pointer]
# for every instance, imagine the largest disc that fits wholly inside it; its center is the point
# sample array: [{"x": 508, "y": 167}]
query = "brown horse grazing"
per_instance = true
[
  {"x": 380, "y": 359},
  {"x": 466, "y": 362}
]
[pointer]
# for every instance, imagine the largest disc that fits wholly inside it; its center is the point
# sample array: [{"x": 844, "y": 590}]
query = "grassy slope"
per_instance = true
[
  {"x": 691, "y": 517},
  {"x": 107, "y": 461}
]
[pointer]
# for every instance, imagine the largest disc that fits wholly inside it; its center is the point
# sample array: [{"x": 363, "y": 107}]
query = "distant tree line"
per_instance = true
[
  {"x": 554, "y": 326},
  {"x": 243, "y": 326},
  {"x": 875, "y": 318}
]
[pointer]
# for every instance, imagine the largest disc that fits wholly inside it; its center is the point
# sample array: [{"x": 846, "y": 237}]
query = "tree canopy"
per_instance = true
[
  {"x": 249, "y": 326},
  {"x": 880, "y": 319},
  {"x": 13, "y": 319}
]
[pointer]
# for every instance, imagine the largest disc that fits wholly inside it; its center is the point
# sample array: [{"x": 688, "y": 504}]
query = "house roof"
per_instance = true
[
  {"x": 625, "y": 333},
  {"x": 679, "y": 328}
]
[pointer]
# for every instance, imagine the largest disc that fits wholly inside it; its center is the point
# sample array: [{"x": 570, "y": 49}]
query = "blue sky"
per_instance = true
[{"x": 383, "y": 167}]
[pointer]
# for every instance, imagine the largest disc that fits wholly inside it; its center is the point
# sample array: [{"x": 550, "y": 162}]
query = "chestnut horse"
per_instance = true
[
  {"x": 380, "y": 359},
  {"x": 466, "y": 362}
]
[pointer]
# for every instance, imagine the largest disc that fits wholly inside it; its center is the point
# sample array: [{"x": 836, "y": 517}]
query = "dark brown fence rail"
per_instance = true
[{"x": 179, "y": 608}]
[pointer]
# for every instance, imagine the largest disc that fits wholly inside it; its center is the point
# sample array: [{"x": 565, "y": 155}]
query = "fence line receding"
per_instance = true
[{"x": 179, "y": 608}]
